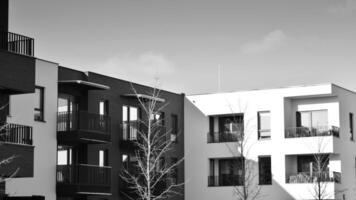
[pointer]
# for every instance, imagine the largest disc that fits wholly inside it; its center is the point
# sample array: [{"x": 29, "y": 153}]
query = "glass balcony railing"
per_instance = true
[
  {"x": 295, "y": 132},
  {"x": 307, "y": 177},
  {"x": 220, "y": 137},
  {"x": 225, "y": 180}
]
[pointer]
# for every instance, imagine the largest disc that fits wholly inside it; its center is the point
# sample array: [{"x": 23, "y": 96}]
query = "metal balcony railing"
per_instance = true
[
  {"x": 307, "y": 177},
  {"x": 15, "y": 133},
  {"x": 295, "y": 132},
  {"x": 16, "y": 43},
  {"x": 225, "y": 180},
  {"x": 84, "y": 121},
  {"x": 219, "y": 137},
  {"x": 83, "y": 174}
]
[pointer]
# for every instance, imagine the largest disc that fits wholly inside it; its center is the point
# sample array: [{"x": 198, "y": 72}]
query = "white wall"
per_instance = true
[
  {"x": 282, "y": 103},
  {"x": 44, "y": 135}
]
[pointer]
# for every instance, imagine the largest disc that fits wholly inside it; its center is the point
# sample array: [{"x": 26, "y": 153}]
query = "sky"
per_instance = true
[{"x": 189, "y": 45}]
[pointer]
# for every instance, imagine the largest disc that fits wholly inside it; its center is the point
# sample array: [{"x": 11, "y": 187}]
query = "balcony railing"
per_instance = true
[
  {"x": 295, "y": 132},
  {"x": 84, "y": 121},
  {"x": 83, "y": 174},
  {"x": 307, "y": 177},
  {"x": 15, "y": 133},
  {"x": 219, "y": 137},
  {"x": 225, "y": 180},
  {"x": 17, "y": 43}
]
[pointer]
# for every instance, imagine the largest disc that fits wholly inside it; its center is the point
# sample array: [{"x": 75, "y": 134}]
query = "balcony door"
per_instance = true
[
  {"x": 230, "y": 171},
  {"x": 312, "y": 119},
  {"x": 67, "y": 105}
]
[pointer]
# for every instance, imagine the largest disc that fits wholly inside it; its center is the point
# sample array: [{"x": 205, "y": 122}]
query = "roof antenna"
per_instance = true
[{"x": 219, "y": 78}]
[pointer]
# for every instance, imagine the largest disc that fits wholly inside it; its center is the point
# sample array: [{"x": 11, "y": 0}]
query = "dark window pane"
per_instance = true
[{"x": 264, "y": 168}]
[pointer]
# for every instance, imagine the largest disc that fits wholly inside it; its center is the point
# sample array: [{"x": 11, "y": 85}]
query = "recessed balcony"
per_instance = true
[
  {"x": 82, "y": 127},
  {"x": 83, "y": 179}
]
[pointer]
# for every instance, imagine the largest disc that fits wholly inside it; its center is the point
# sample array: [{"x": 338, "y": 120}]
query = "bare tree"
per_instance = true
[
  {"x": 5, "y": 161},
  {"x": 148, "y": 180},
  {"x": 248, "y": 188},
  {"x": 320, "y": 174}
]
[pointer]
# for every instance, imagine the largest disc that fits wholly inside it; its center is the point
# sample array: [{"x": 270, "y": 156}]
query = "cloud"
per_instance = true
[
  {"x": 272, "y": 41},
  {"x": 142, "y": 68},
  {"x": 344, "y": 9}
]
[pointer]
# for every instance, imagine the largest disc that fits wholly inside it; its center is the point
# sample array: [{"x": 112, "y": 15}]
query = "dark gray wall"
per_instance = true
[
  {"x": 4, "y": 15},
  {"x": 17, "y": 73},
  {"x": 23, "y": 161},
  {"x": 116, "y": 101}
]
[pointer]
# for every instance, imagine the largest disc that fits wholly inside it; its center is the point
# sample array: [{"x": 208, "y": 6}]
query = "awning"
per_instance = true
[
  {"x": 145, "y": 96},
  {"x": 84, "y": 84}
]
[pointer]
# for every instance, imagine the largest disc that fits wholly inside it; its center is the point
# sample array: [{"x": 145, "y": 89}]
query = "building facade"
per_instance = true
[
  {"x": 96, "y": 131},
  {"x": 286, "y": 131},
  {"x": 71, "y": 132}
]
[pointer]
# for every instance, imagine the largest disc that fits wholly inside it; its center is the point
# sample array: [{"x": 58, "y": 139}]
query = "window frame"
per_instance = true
[
  {"x": 259, "y": 130},
  {"x": 259, "y": 170},
  {"x": 351, "y": 126},
  {"x": 41, "y": 104},
  {"x": 174, "y": 126},
  {"x": 105, "y": 104}
]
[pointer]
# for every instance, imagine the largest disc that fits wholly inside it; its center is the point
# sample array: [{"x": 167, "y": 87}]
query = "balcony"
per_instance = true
[
  {"x": 16, "y": 134},
  {"x": 17, "y": 140},
  {"x": 220, "y": 137},
  {"x": 129, "y": 134},
  {"x": 83, "y": 179},
  {"x": 16, "y": 43},
  {"x": 307, "y": 177},
  {"x": 225, "y": 180},
  {"x": 82, "y": 127},
  {"x": 296, "y": 132},
  {"x": 17, "y": 72}
]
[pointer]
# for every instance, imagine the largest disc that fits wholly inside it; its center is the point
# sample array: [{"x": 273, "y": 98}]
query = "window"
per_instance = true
[
  {"x": 225, "y": 171},
  {"x": 174, "y": 131},
  {"x": 39, "y": 103},
  {"x": 64, "y": 155},
  {"x": 308, "y": 163},
  {"x": 264, "y": 125},
  {"x": 133, "y": 123},
  {"x": 129, "y": 122},
  {"x": 174, "y": 171},
  {"x": 351, "y": 121},
  {"x": 264, "y": 169},
  {"x": 231, "y": 124},
  {"x": 158, "y": 118},
  {"x": 316, "y": 119},
  {"x": 103, "y": 158},
  {"x": 125, "y": 161},
  {"x": 103, "y": 107}
]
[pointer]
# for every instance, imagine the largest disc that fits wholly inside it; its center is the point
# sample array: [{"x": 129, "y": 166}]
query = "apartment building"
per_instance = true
[
  {"x": 96, "y": 130},
  {"x": 285, "y": 130},
  {"x": 72, "y": 132}
]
